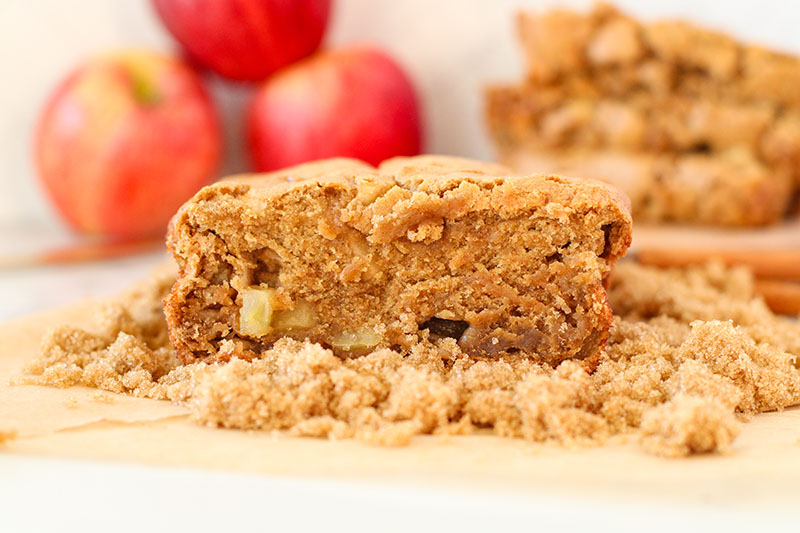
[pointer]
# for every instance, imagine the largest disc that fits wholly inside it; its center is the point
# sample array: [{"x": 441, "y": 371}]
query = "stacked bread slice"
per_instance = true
[{"x": 693, "y": 125}]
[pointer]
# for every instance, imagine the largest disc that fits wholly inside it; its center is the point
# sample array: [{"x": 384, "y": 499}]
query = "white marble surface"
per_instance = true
[
  {"x": 26, "y": 291},
  {"x": 39, "y": 495},
  {"x": 35, "y": 288}
]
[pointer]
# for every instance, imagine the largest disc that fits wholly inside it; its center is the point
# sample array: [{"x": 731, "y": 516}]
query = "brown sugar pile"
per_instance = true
[{"x": 691, "y": 353}]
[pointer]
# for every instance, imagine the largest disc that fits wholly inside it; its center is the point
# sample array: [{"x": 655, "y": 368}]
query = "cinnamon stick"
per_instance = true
[
  {"x": 777, "y": 272},
  {"x": 773, "y": 264},
  {"x": 783, "y": 297},
  {"x": 80, "y": 252}
]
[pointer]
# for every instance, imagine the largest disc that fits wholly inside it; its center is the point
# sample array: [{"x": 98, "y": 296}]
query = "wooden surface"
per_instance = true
[{"x": 762, "y": 470}]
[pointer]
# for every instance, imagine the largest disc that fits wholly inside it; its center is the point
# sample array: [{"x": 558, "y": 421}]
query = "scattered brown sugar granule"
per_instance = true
[
  {"x": 690, "y": 352},
  {"x": 102, "y": 397},
  {"x": 71, "y": 402},
  {"x": 686, "y": 425},
  {"x": 125, "y": 351}
]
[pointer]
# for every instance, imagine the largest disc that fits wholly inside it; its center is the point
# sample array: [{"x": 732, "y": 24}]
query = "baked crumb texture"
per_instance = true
[
  {"x": 693, "y": 125},
  {"x": 691, "y": 353},
  {"x": 421, "y": 250}
]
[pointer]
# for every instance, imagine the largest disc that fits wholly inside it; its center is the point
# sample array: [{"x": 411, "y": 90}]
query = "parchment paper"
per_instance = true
[{"x": 763, "y": 467}]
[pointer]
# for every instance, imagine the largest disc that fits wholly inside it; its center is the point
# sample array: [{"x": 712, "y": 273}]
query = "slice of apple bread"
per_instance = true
[{"x": 416, "y": 250}]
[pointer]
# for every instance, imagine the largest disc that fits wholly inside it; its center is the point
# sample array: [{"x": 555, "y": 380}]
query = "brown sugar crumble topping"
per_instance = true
[{"x": 691, "y": 353}]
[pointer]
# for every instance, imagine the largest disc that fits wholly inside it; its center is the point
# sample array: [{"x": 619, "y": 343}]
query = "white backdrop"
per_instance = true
[{"x": 450, "y": 47}]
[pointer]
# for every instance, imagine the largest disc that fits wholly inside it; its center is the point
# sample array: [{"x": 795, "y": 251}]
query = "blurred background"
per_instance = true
[{"x": 450, "y": 50}]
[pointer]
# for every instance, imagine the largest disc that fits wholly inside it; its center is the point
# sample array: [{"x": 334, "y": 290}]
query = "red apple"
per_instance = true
[
  {"x": 124, "y": 141},
  {"x": 353, "y": 102},
  {"x": 246, "y": 39}
]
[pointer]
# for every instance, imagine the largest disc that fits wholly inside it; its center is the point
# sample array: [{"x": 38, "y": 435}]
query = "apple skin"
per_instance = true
[
  {"x": 246, "y": 40},
  {"x": 352, "y": 102},
  {"x": 124, "y": 141}
]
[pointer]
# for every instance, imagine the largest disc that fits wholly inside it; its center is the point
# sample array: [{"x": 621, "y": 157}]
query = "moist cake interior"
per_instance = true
[{"x": 360, "y": 259}]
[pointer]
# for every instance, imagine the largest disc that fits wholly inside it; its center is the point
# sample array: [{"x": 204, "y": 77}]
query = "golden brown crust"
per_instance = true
[{"x": 513, "y": 261}]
